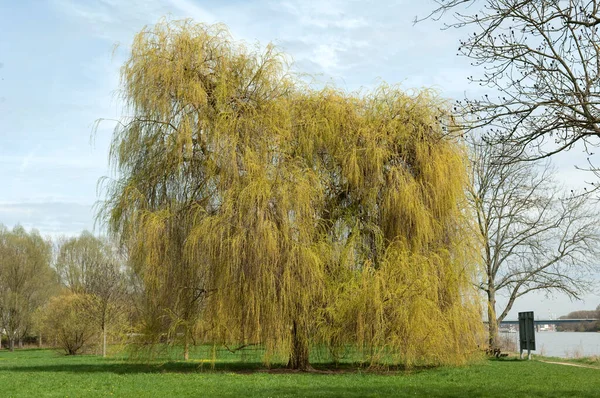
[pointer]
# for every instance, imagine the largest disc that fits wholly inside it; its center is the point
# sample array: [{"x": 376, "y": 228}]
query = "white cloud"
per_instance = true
[
  {"x": 31, "y": 160},
  {"x": 26, "y": 160},
  {"x": 188, "y": 9},
  {"x": 326, "y": 56},
  {"x": 50, "y": 218},
  {"x": 322, "y": 14},
  {"x": 117, "y": 21}
]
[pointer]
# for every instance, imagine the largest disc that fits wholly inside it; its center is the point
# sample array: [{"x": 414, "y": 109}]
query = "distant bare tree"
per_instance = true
[
  {"x": 539, "y": 59},
  {"x": 91, "y": 266},
  {"x": 534, "y": 238}
]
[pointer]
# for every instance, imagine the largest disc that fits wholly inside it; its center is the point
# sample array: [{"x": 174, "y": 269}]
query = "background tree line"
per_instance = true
[
  {"x": 72, "y": 292},
  {"x": 582, "y": 326}
]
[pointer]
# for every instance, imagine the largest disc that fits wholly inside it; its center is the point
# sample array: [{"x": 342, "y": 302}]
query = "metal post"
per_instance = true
[{"x": 526, "y": 333}]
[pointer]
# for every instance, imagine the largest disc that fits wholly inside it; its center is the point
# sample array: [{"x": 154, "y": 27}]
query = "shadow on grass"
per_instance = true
[
  {"x": 509, "y": 359},
  {"x": 135, "y": 367},
  {"x": 129, "y": 367}
]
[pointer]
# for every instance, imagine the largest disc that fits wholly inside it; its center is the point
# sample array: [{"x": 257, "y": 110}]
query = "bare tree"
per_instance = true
[
  {"x": 534, "y": 238},
  {"x": 539, "y": 59},
  {"x": 91, "y": 266}
]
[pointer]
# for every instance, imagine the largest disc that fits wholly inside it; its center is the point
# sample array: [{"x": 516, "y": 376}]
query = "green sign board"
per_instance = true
[{"x": 526, "y": 331}]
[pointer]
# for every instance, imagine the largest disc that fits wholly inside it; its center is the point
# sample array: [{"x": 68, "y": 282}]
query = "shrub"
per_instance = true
[{"x": 67, "y": 317}]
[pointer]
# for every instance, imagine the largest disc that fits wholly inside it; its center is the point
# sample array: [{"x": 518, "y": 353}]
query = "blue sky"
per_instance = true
[{"x": 59, "y": 73}]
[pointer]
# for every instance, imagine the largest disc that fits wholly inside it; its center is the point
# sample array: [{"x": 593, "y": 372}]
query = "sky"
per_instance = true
[{"x": 59, "y": 74}]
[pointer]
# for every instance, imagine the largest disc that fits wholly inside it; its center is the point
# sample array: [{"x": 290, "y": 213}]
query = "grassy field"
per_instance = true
[{"x": 46, "y": 373}]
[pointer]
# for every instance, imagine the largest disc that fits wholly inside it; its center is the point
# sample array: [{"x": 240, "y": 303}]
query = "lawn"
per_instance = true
[{"x": 46, "y": 373}]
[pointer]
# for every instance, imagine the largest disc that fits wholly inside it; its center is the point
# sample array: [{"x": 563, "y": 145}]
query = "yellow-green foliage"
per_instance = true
[
  {"x": 66, "y": 317},
  {"x": 260, "y": 210}
]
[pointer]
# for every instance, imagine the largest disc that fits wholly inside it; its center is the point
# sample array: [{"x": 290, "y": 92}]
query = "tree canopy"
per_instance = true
[
  {"x": 260, "y": 210},
  {"x": 26, "y": 279}
]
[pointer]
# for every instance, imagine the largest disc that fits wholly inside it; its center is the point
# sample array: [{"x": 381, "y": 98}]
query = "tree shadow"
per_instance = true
[
  {"x": 138, "y": 367},
  {"x": 506, "y": 359},
  {"x": 130, "y": 367}
]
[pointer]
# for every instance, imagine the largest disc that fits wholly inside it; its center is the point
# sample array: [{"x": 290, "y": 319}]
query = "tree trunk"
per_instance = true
[
  {"x": 186, "y": 344},
  {"x": 103, "y": 341},
  {"x": 299, "y": 358},
  {"x": 186, "y": 349},
  {"x": 492, "y": 320},
  {"x": 11, "y": 344},
  {"x": 40, "y": 340},
  {"x": 20, "y": 342}
]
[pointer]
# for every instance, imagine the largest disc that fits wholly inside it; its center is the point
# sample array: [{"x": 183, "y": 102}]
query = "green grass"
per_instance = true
[{"x": 46, "y": 373}]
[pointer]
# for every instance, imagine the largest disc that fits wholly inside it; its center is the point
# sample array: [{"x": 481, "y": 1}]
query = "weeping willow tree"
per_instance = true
[{"x": 258, "y": 210}]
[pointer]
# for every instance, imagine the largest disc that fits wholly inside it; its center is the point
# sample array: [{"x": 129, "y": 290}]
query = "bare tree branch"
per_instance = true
[
  {"x": 534, "y": 236},
  {"x": 540, "y": 61}
]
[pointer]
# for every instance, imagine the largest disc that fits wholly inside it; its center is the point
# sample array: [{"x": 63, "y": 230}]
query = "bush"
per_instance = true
[{"x": 67, "y": 317}]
